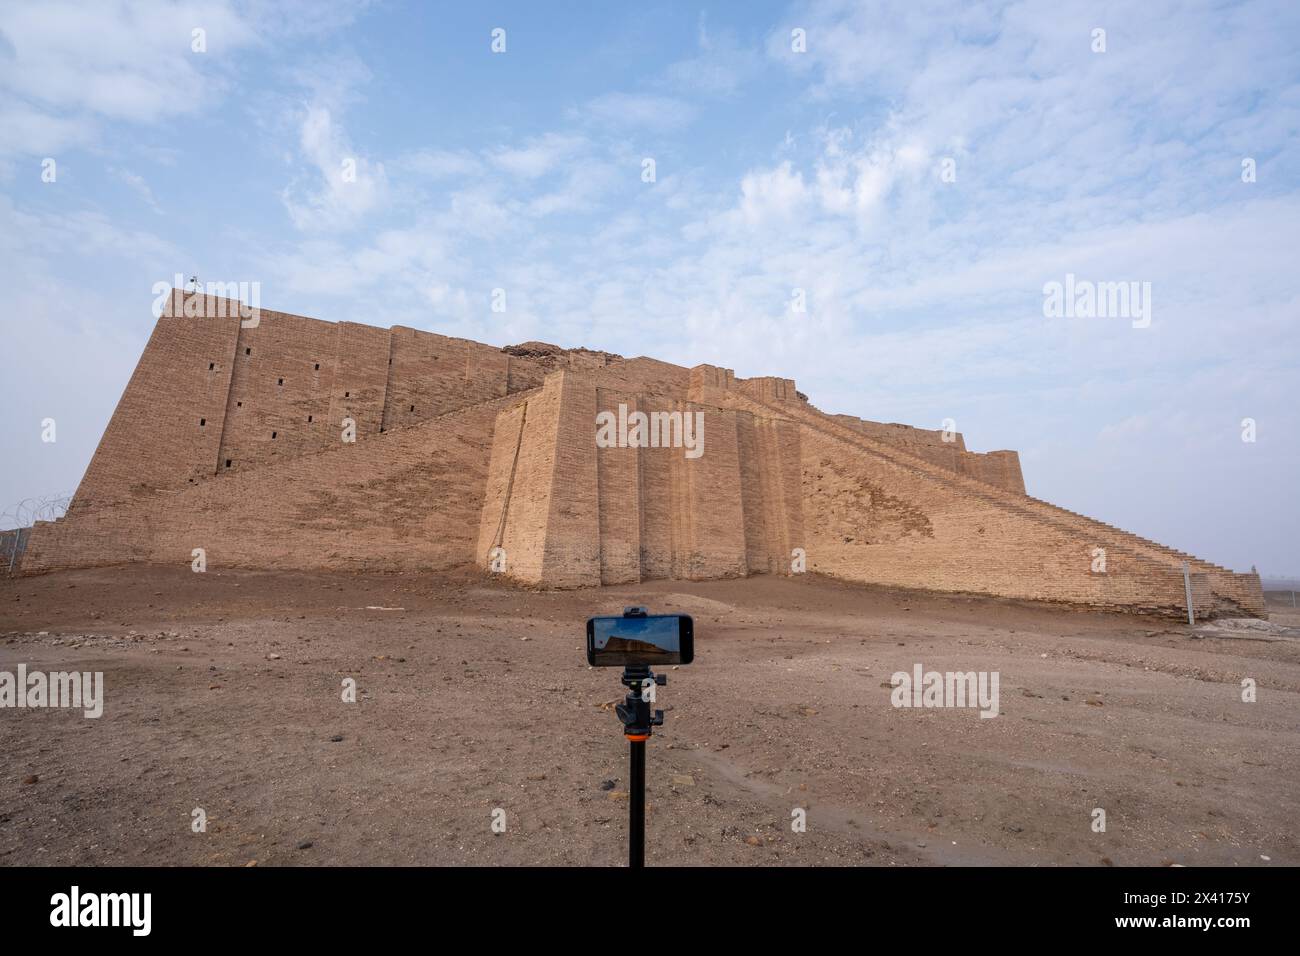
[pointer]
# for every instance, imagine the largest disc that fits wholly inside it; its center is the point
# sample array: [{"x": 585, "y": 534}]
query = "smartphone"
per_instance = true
[{"x": 643, "y": 639}]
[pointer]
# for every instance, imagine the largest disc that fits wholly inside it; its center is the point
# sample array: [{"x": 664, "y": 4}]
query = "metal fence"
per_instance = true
[
  {"x": 16, "y": 525},
  {"x": 1282, "y": 596}
]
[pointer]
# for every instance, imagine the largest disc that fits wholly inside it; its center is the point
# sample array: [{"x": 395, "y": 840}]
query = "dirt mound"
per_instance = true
[{"x": 680, "y": 603}]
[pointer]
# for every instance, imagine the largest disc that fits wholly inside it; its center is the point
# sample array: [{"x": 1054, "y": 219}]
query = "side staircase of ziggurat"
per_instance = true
[{"x": 232, "y": 439}]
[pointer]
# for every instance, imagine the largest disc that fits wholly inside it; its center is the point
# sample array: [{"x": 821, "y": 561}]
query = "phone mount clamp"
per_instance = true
[{"x": 638, "y": 724}]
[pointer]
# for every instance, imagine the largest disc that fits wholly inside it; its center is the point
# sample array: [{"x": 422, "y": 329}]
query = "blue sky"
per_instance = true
[{"x": 775, "y": 170}]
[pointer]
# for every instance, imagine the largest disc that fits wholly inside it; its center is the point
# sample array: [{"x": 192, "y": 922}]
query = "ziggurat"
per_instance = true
[{"x": 230, "y": 439}]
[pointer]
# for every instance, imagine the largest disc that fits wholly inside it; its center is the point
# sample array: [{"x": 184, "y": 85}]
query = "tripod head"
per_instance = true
[{"x": 634, "y": 712}]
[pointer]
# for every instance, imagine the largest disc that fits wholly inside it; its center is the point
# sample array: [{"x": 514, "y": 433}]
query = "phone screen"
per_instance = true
[{"x": 655, "y": 639}]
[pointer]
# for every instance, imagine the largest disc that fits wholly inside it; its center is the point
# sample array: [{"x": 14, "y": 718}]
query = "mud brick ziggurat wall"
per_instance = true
[{"x": 231, "y": 439}]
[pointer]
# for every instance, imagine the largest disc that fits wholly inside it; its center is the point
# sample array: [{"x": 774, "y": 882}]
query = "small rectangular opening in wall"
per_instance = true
[
  {"x": 227, "y": 462},
  {"x": 279, "y": 381},
  {"x": 318, "y": 366},
  {"x": 248, "y": 351},
  {"x": 211, "y": 366},
  {"x": 202, "y": 422},
  {"x": 273, "y": 434},
  {"x": 308, "y": 418},
  {"x": 239, "y": 404},
  {"x": 347, "y": 394}
]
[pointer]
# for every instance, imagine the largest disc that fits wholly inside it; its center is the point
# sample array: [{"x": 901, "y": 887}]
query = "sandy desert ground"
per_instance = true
[{"x": 223, "y": 692}]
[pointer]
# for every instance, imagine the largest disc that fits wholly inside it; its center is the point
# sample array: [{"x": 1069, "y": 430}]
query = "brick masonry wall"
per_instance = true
[
  {"x": 661, "y": 505},
  {"x": 1232, "y": 593},
  {"x": 551, "y": 528},
  {"x": 210, "y": 389},
  {"x": 756, "y": 510},
  {"x": 528, "y": 506},
  {"x": 425, "y": 376},
  {"x": 461, "y": 446},
  {"x": 626, "y": 514},
  {"x": 998, "y": 468},
  {"x": 281, "y": 385},
  {"x": 411, "y": 499},
  {"x": 154, "y": 439},
  {"x": 487, "y": 373},
  {"x": 867, "y": 519},
  {"x": 361, "y": 378},
  {"x": 771, "y": 495},
  {"x": 572, "y": 525},
  {"x": 507, "y": 444},
  {"x": 715, "y": 545},
  {"x": 618, "y": 473}
]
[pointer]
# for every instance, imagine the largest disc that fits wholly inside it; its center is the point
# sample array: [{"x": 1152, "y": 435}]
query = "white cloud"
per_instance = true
[
  {"x": 647, "y": 111},
  {"x": 585, "y": 185},
  {"x": 539, "y": 156},
  {"x": 137, "y": 184},
  {"x": 118, "y": 60},
  {"x": 772, "y": 195},
  {"x": 348, "y": 186},
  {"x": 439, "y": 163},
  {"x": 30, "y": 243},
  {"x": 25, "y": 131},
  {"x": 722, "y": 66}
]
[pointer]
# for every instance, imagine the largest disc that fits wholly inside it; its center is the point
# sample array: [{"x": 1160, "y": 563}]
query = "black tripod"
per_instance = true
[{"x": 638, "y": 724}]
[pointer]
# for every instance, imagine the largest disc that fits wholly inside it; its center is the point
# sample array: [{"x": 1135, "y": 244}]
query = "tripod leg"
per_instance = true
[{"x": 636, "y": 804}]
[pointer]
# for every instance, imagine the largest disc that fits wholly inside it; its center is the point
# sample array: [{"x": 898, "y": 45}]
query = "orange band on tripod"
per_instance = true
[{"x": 637, "y": 738}]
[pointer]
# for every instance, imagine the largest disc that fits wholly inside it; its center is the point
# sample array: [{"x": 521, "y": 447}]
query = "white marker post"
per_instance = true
[{"x": 1187, "y": 589}]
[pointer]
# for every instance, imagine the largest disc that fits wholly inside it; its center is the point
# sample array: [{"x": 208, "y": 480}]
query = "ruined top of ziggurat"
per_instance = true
[{"x": 233, "y": 439}]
